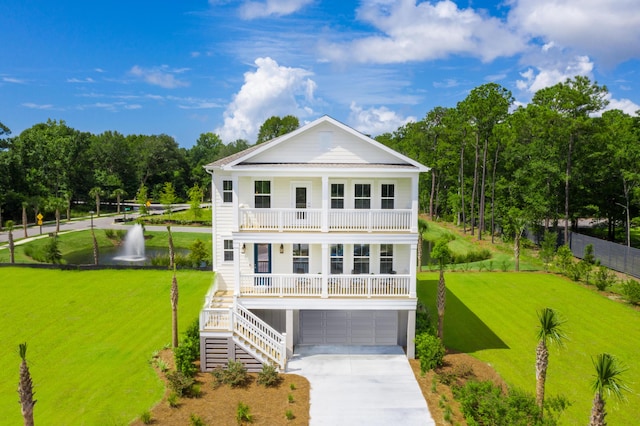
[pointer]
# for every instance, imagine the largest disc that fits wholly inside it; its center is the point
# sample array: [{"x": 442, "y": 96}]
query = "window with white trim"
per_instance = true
[
  {"x": 228, "y": 250},
  {"x": 262, "y": 194},
  {"x": 361, "y": 258},
  {"x": 386, "y": 258},
  {"x": 387, "y": 195},
  {"x": 300, "y": 258},
  {"x": 337, "y": 258},
  {"x": 227, "y": 191},
  {"x": 362, "y": 196},
  {"x": 337, "y": 195}
]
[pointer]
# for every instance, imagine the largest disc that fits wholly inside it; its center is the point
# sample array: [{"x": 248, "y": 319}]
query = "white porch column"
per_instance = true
[
  {"x": 325, "y": 204},
  {"x": 236, "y": 204},
  {"x": 411, "y": 334},
  {"x": 236, "y": 268},
  {"x": 325, "y": 270},
  {"x": 214, "y": 228},
  {"x": 413, "y": 270},
  {"x": 415, "y": 205},
  {"x": 289, "y": 332}
]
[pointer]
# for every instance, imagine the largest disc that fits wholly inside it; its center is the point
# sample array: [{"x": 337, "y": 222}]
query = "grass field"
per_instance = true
[
  {"x": 492, "y": 316},
  {"x": 90, "y": 336}
]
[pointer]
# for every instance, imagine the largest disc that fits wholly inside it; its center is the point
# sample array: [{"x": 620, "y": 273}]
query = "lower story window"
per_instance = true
[
  {"x": 361, "y": 259},
  {"x": 301, "y": 258},
  {"x": 386, "y": 258},
  {"x": 337, "y": 259},
  {"x": 228, "y": 250}
]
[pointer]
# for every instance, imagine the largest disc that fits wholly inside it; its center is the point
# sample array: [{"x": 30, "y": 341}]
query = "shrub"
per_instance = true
[
  {"x": 243, "y": 414},
  {"x": 145, "y": 417},
  {"x": 179, "y": 382},
  {"x": 290, "y": 398},
  {"x": 199, "y": 254},
  {"x": 184, "y": 359},
  {"x": 52, "y": 251},
  {"x": 564, "y": 258},
  {"x": 235, "y": 375},
  {"x": 604, "y": 278},
  {"x": 269, "y": 376},
  {"x": 631, "y": 291},
  {"x": 484, "y": 403},
  {"x": 289, "y": 415},
  {"x": 195, "y": 420},
  {"x": 292, "y": 386},
  {"x": 424, "y": 321},
  {"x": 548, "y": 248},
  {"x": 174, "y": 400},
  {"x": 430, "y": 351}
]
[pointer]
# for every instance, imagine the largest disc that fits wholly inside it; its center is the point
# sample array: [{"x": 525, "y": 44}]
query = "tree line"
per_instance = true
[
  {"x": 553, "y": 161},
  {"x": 50, "y": 166}
]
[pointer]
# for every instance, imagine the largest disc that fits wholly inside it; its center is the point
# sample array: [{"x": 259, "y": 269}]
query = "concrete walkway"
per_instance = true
[{"x": 360, "y": 385}]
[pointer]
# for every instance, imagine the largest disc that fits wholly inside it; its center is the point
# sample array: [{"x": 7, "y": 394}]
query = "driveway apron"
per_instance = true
[{"x": 360, "y": 385}]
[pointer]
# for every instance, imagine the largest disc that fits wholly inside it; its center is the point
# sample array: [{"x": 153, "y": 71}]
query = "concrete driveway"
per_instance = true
[{"x": 360, "y": 385}]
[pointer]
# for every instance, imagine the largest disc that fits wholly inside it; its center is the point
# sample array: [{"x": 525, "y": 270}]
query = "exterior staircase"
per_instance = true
[{"x": 228, "y": 331}]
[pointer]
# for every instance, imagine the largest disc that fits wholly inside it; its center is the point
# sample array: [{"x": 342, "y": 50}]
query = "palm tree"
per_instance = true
[
  {"x": 24, "y": 217},
  {"x": 174, "y": 309},
  {"x": 550, "y": 331},
  {"x": 118, "y": 193},
  {"x": 96, "y": 192},
  {"x": 96, "y": 254},
  {"x": 172, "y": 252},
  {"x": 607, "y": 379},
  {"x": 422, "y": 228},
  {"x": 9, "y": 225},
  {"x": 25, "y": 387},
  {"x": 442, "y": 254}
]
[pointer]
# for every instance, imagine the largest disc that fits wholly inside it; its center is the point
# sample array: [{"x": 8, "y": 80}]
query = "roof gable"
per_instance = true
[{"x": 323, "y": 141}]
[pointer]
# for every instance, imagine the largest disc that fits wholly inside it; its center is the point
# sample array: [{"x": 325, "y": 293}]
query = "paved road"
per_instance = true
[{"x": 103, "y": 222}]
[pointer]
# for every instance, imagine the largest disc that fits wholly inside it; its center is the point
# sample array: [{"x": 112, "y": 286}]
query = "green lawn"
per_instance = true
[
  {"x": 492, "y": 316},
  {"x": 90, "y": 336}
]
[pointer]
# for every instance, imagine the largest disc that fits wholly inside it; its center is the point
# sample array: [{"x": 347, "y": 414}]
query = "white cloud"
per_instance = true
[
  {"x": 133, "y": 106},
  {"x": 551, "y": 69},
  {"x": 160, "y": 76},
  {"x": 13, "y": 80},
  {"x": 77, "y": 80},
  {"x": 608, "y": 30},
  {"x": 269, "y": 90},
  {"x": 446, "y": 84},
  {"x": 625, "y": 105},
  {"x": 375, "y": 121},
  {"x": 261, "y": 9},
  {"x": 100, "y": 70},
  {"x": 425, "y": 31},
  {"x": 32, "y": 105}
]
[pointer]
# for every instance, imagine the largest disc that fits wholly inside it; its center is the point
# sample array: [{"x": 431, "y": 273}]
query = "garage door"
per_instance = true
[{"x": 348, "y": 327}]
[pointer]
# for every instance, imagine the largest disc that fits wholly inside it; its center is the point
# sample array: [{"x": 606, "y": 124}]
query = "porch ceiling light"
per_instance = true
[{"x": 281, "y": 249}]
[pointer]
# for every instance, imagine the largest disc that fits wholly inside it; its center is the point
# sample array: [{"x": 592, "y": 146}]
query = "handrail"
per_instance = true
[{"x": 263, "y": 337}]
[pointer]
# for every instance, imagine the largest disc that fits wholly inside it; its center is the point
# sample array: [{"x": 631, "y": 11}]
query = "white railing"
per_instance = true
[
  {"x": 260, "y": 335},
  {"x": 310, "y": 285},
  {"x": 262, "y": 338},
  {"x": 369, "y": 220},
  {"x": 281, "y": 219},
  {"x": 311, "y": 220}
]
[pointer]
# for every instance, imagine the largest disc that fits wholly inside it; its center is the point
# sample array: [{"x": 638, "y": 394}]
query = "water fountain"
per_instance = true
[{"x": 133, "y": 246}]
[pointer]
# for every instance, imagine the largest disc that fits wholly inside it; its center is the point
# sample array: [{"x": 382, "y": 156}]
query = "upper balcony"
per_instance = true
[{"x": 309, "y": 220}]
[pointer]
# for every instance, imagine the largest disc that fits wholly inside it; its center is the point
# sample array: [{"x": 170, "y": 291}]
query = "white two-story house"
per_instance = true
[{"x": 314, "y": 243}]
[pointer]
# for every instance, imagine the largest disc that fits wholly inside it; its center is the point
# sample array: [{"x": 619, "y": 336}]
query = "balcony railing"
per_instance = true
[
  {"x": 311, "y": 285},
  {"x": 311, "y": 220}
]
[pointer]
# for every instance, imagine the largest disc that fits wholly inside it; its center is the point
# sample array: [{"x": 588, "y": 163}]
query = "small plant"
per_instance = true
[
  {"x": 243, "y": 414},
  {"x": 174, "y": 400},
  {"x": 269, "y": 376},
  {"x": 195, "y": 391},
  {"x": 631, "y": 291},
  {"x": 290, "y": 398},
  {"x": 195, "y": 420},
  {"x": 289, "y": 415},
  {"x": 430, "y": 351},
  {"x": 434, "y": 385},
  {"x": 235, "y": 375},
  {"x": 145, "y": 417},
  {"x": 447, "y": 414},
  {"x": 292, "y": 386},
  {"x": 504, "y": 265},
  {"x": 179, "y": 383},
  {"x": 443, "y": 401},
  {"x": 162, "y": 365},
  {"x": 604, "y": 278}
]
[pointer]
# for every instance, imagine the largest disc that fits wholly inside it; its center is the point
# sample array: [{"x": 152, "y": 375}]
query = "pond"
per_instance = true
[{"x": 108, "y": 255}]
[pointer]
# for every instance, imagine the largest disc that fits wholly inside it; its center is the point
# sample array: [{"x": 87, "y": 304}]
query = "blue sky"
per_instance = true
[{"x": 188, "y": 67}]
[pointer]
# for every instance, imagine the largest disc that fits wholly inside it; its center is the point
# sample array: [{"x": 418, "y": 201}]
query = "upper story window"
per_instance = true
[
  {"x": 337, "y": 196},
  {"x": 361, "y": 258},
  {"x": 362, "y": 196},
  {"x": 301, "y": 258},
  {"x": 387, "y": 194},
  {"x": 262, "y": 194},
  {"x": 227, "y": 191},
  {"x": 228, "y": 250},
  {"x": 337, "y": 258},
  {"x": 386, "y": 258}
]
